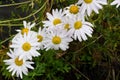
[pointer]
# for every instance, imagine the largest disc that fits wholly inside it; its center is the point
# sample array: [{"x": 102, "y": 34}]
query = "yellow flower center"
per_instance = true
[
  {"x": 56, "y": 40},
  {"x": 77, "y": 24},
  {"x": 24, "y": 30},
  {"x": 88, "y": 1},
  {"x": 56, "y": 21},
  {"x": 67, "y": 26},
  {"x": 26, "y": 46},
  {"x": 40, "y": 38},
  {"x": 74, "y": 9},
  {"x": 18, "y": 62}
]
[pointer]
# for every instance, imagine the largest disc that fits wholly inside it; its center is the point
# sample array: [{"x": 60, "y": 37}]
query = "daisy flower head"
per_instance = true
[
  {"x": 26, "y": 46},
  {"x": 87, "y": 6},
  {"x": 81, "y": 29},
  {"x": 18, "y": 35},
  {"x": 27, "y": 27},
  {"x": 73, "y": 9},
  {"x": 54, "y": 19},
  {"x": 41, "y": 35},
  {"x": 116, "y": 2},
  {"x": 67, "y": 23},
  {"x": 17, "y": 66},
  {"x": 57, "y": 39}
]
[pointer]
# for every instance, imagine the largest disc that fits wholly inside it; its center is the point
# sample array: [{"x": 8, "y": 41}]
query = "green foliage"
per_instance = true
[
  {"x": 97, "y": 58},
  {"x": 47, "y": 67}
]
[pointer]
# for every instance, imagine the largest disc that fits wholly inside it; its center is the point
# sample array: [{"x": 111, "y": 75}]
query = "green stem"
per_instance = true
[
  {"x": 89, "y": 44},
  {"x": 10, "y": 25},
  {"x": 6, "y": 39},
  {"x": 26, "y": 16},
  {"x": 80, "y": 72},
  {"x": 15, "y": 4}
]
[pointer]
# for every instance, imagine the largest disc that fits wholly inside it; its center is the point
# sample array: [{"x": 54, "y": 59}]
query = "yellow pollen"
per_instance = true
[
  {"x": 56, "y": 21},
  {"x": 24, "y": 30},
  {"x": 26, "y": 46},
  {"x": 40, "y": 38},
  {"x": 56, "y": 40},
  {"x": 88, "y": 1},
  {"x": 77, "y": 24},
  {"x": 18, "y": 62},
  {"x": 67, "y": 26},
  {"x": 74, "y": 9}
]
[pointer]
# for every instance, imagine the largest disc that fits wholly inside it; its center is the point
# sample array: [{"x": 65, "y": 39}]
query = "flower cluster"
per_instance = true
[{"x": 61, "y": 27}]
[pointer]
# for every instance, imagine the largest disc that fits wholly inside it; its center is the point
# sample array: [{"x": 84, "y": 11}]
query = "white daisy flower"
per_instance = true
[
  {"x": 54, "y": 19},
  {"x": 26, "y": 45},
  {"x": 67, "y": 23},
  {"x": 17, "y": 66},
  {"x": 72, "y": 10},
  {"x": 116, "y": 2},
  {"x": 27, "y": 27},
  {"x": 25, "y": 30},
  {"x": 81, "y": 29},
  {"x": 41, "y": 35},
  {"x": 57, "y": 39},
  {"x": 17, "y": 36},
  {"x": 87, "y": 6}
]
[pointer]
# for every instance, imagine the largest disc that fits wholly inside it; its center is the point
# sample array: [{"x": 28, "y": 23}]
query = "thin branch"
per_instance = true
[
  {"x": 15, "y": 4},
  {"x": 79, "y": 72},
  {"x": 76, "y": 70},
  {"x": 10, "y": 25},
  {"x": 26, "y": 16},
  {"x": 113, "y": 73},
  {"x": 89, "y": 44},
  {"x": 6, "y": 39}
]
